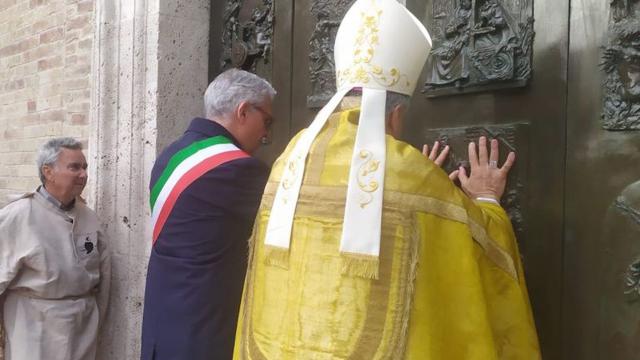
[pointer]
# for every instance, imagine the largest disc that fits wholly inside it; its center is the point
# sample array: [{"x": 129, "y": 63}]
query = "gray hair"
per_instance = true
[
  {"x": 231, "y": 88},
  {"x": 49, "y": 151}
]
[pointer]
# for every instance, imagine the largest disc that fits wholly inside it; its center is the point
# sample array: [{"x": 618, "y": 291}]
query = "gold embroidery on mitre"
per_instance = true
[
  {"x": 363, "y": 70},
  {"x": 366, "y": 177}
]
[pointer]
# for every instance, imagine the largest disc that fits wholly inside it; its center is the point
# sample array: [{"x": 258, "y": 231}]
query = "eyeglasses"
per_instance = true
[{"x": 266, "y": 117}]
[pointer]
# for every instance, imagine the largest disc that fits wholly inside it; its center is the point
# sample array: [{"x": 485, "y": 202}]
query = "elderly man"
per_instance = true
[
  {"x": 363, "y": 248},
  {"x": 54, "y": 267},
  {"x": 205, "y": 191}
]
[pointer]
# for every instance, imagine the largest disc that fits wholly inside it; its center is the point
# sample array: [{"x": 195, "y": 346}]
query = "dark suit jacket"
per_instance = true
[{"x": 198, "y": 263}]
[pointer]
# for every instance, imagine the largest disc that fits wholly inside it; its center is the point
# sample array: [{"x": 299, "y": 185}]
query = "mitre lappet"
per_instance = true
[{"x": 380, "y": 46}]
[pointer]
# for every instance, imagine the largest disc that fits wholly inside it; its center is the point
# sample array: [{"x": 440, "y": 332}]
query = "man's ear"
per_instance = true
[
  {"x": 47, "y": 171},
  {"x": 242, "y": 111},
  {"x": 394, "y": 121}
]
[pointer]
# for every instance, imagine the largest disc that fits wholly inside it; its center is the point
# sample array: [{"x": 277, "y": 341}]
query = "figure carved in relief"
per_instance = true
[
  {"x": 494, "y": 42},
  {"x": 478, "y": 43},
  {"x": 620, "y": 277},
  {"x": 492, "y": 29},
  {"x": 247, "y": 34},
  {"x": 321, "y": 66},
  {"x": 328, "y": 16},
  {"x": 452, "y": 64},
  {"x": 621, "y": 65}
]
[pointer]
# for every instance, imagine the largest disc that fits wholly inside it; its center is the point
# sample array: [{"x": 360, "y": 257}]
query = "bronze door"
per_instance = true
[
  {"x": 601, "y": 311},
  {"x": 528, "y": 73}
]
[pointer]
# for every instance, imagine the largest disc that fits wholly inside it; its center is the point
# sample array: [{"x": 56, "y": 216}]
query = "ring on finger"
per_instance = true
[{"x": 493, "y": 163}]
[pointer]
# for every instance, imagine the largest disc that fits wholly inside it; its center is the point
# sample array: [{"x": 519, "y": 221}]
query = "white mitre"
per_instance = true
[{"x": 380, "y": 46}]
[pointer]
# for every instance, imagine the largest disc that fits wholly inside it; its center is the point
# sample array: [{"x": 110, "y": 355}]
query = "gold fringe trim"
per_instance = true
[
  {"x": 358, "y": 265},
  {"x": 414, "y": 255},
  {"x": 276, "y": 256}
]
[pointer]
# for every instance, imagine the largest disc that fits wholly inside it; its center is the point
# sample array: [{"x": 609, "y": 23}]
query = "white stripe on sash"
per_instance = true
[{"x": 184, "y": 167}]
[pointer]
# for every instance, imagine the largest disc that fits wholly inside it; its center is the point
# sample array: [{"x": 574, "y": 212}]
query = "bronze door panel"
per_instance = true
[
  {"x": 511, "y": 137},
  {"x": 479, "y": 46}
]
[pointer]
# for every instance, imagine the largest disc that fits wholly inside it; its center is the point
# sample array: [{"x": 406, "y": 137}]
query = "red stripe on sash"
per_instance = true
[{"x": 186, "y": 180}]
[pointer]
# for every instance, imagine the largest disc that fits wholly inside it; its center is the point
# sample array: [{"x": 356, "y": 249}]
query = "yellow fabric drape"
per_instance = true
[{"x": 450, "y": 285}]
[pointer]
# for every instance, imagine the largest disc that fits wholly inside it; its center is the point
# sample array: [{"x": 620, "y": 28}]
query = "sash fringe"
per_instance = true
[
  {"x": 358, "y": 265},
  {"x": 276, "y": 256}
]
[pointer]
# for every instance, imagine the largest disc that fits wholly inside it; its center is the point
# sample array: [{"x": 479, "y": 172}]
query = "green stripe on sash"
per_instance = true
[{"x": 179, "y": 157}]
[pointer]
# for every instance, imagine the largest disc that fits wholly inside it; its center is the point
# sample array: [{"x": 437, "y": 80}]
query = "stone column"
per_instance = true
[{"x": 149, "y": 72}]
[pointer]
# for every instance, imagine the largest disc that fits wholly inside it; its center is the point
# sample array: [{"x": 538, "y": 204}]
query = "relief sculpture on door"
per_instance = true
[
  {"x": 326, "y": 15},
  {"x": 247, "y": 34},
  {"x": 621, "y": 67},
  {"x": 479, "y": 45},
  {"x": 511, "y": 137}
]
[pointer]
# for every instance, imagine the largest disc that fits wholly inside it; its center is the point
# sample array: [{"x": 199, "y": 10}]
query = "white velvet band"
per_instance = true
[
  {"x": 284, "y": 205},
  {"x": 361, "y": 230}
]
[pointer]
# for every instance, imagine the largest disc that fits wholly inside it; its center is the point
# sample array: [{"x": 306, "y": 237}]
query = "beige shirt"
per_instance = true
[{"x": 54, "y": 276}]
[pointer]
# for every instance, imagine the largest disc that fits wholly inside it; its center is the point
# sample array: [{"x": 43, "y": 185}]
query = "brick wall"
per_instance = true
[{"x": 45, "y": 64}]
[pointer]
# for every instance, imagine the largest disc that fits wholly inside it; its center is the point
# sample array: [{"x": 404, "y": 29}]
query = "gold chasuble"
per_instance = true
[{"x": 450, "y": 282}]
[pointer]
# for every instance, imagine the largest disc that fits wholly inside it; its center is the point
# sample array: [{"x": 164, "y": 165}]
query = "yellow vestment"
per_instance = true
[{"x": 451, "y": 285}]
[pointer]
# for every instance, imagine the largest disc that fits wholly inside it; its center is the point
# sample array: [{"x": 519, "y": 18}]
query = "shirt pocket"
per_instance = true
[{"x": 87, "y": 249}]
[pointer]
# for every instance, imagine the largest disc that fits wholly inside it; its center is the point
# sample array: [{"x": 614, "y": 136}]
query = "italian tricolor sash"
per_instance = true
[{"x": 184, "y": 167}]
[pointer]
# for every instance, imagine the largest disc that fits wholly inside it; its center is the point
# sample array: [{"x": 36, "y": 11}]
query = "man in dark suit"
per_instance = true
[{"x": 205, "y": 191}]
